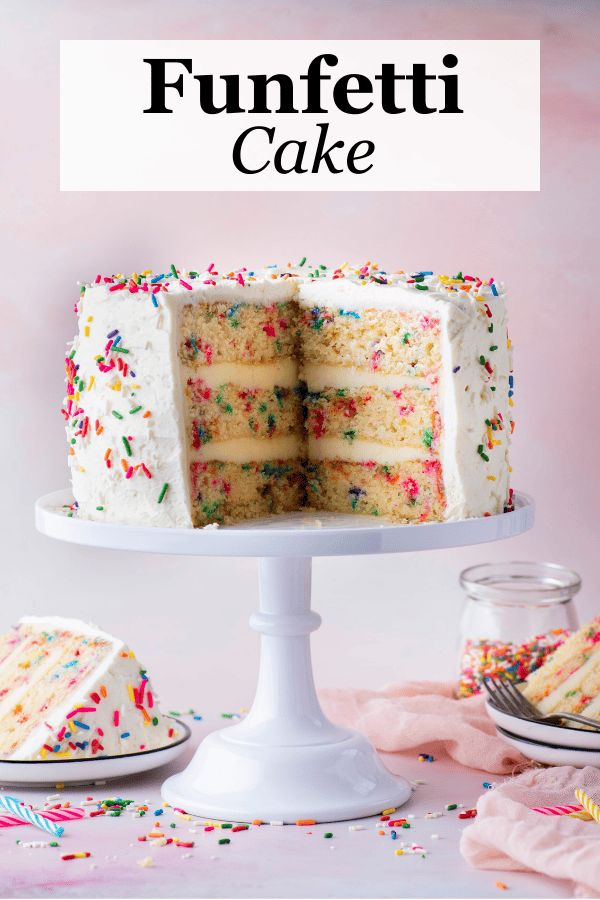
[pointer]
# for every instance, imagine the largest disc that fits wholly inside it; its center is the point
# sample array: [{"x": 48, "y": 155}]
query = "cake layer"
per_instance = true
[
  {"x": 228, "y": 411},
  {"x": 570, "y": 678},
  {"x": 410, "y": 491},
  {"x": 243, "y": 332},
  {"x": 393, "y": 342},
  {"x": 404, "y": 417},
  {"x": 226, "y": 492}
]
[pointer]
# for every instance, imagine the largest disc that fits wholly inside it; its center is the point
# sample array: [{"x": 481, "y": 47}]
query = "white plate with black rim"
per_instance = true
[
  {"x": 93, "y": 769},
  {"x": 561, "y": 735},
  {"x": 551, "y": 754}
]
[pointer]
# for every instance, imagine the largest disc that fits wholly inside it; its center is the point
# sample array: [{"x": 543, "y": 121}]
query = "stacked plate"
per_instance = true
[{"x": 555, "y": 745}]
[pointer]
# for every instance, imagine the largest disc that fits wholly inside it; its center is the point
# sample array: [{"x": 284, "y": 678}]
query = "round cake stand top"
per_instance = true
[{"x": 302, "y": 534}]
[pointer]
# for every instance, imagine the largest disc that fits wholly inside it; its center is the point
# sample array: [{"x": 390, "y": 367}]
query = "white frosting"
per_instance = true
[
  {"x": 76, "y": 626},
  {"x": 151, "y": 335},
  {"x": 473, "y": 485}
]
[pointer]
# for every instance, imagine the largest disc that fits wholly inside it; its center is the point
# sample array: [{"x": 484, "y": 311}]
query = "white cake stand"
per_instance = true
[{"x": 285, "y": 761}]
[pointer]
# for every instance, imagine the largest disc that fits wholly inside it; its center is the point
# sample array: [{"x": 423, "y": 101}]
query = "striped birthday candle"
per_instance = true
[
  {"x": 565, "y": 810},
  {"x": 17, "y": 808},
  {"x": 54, "y": 815},
  {"x": 64, "y": 814},
  {"x": 10, "y": 821},
  {"x": 589, "y": 805}
]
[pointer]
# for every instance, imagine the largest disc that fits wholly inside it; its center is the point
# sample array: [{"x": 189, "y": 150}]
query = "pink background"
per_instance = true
[{"x": 187, "y": 618}]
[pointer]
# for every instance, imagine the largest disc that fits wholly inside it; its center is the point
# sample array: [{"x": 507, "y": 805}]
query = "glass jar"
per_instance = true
[{"x": 515, "y": 615}]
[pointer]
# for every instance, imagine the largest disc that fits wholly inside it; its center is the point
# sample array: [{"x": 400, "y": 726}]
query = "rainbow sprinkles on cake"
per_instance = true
[{"x": 199, "y": 397}]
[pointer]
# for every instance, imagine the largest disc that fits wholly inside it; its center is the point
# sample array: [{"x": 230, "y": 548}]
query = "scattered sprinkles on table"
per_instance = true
[{"x": 169, "y": 834}]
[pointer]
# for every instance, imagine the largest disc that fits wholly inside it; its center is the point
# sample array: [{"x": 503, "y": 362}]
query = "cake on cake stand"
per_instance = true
[{"x": 285, "y": 761}]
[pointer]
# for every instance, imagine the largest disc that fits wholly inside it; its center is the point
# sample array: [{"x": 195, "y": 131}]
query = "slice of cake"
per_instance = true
[
  {"x": 408, "y": 407},
  {"x": 71, "y": 691},
  {"x": 201, "y": 397},
  {"x": 569, "y": 681},
  {"x": 238, "y": 365}
]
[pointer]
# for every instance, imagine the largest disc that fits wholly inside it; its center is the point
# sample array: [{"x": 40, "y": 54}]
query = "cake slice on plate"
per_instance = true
[
  {"x": 71, "y": 691},
  {"x": 569, "y": 681}
]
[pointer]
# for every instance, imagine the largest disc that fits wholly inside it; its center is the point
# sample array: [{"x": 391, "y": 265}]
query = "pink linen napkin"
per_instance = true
[
  {"x": 508, "y": 835},
  {"x": 425, "y": 715}
]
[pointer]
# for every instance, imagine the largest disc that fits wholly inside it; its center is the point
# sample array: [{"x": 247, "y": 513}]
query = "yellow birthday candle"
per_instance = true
[{"x": 588, "y": 804}]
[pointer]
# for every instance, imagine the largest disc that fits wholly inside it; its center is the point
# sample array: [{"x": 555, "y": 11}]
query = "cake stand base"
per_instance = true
[
  {"x": 326, "y": 783},
  {"x": 285, "y": 761}
]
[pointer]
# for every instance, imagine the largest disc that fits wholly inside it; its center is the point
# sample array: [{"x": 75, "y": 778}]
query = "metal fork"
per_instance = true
[{"x": 507, "y": 698}]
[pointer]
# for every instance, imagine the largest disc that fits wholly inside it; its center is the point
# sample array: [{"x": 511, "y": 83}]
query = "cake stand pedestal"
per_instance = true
[{"x": 285, "y": 761}]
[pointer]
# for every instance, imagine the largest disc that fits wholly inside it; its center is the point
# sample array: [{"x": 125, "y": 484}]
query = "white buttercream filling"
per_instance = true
[
  {"x": 362, "y": 451},
  {"x": 319, "y": 377},
  {"x": 249, "y": 449},
  {"x": 263, "y": 376}
]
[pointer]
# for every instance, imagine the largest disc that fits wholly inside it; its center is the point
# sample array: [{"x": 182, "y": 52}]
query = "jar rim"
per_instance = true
[{"x": 519, "y": 583}]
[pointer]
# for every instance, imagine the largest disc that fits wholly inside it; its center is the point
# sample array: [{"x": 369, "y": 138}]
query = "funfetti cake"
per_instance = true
[
  {"x": 71, "y": 691},
  {"x": 201, "y": 397},
  {"x": 569, "y": 681}
]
